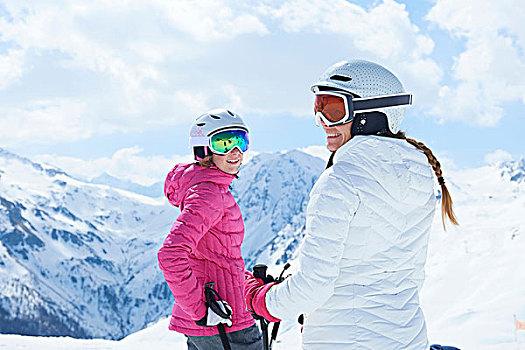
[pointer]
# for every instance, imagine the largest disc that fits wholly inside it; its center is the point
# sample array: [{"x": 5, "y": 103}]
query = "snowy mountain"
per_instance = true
[
  {"x": 475, "y": 276},
  {"x": 155, "y": 190},
  {"x": 273, "y": 191},
  {"x": 514, "y": 171},
  {"x": 77, "y": 259},
  {"x": 474, "y": 284}
]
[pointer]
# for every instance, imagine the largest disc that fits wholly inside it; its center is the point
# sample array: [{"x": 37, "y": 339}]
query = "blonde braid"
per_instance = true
[{"x": 446, "y": 199}]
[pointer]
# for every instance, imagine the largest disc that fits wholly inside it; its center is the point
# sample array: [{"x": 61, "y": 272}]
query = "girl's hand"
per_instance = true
[{"x": 221, "y": 312}]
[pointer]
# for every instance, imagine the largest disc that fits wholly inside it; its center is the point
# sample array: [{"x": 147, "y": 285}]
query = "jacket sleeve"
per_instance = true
[
  {"x": 202, "y": 210},
  {"x": 333, "y": 203}
]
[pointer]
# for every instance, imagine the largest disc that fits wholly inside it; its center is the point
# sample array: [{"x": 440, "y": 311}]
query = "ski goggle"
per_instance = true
[
  {"x": 223, "y": 142},
  {"x": 336, "y": 108}
]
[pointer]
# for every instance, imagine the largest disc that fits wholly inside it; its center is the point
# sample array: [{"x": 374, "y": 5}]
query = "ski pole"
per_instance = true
[
  {"x": 275, "y": 329},
  {"x": 211, "y": 301},
  {"x": 276, "y": 325},
  {"x": 260, "y": 271}
]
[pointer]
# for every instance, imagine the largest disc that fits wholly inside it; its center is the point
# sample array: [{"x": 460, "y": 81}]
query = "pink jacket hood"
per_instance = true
[{"x": 184, "y": 176}]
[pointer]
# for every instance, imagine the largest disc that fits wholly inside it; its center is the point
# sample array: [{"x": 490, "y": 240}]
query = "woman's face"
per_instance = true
[
  {"x": 336, "y": 136},
  {"x": 229, "y": 163}
]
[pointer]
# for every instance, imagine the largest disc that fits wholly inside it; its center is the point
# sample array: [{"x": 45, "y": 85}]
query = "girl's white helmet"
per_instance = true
[
  {"x": 364, "y": 79},
  {"x": 207, "y": 124}
]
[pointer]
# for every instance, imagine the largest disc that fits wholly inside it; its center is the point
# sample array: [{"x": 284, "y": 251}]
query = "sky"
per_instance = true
[{"x": 113, "y": 86}]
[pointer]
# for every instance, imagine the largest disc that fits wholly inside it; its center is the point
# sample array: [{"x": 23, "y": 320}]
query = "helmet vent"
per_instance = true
[
  {"x": 215, "y": 116},
  {"x": 340, "y": 77},
  {"x": 230, "y": 113},
  {"x": 201, "y": 124}
]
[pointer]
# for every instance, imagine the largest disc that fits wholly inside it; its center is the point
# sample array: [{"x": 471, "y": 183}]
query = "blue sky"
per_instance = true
[{"x": 105, "y": 86}]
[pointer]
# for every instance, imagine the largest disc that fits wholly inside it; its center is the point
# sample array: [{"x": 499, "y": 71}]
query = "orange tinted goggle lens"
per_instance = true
[{"x": 332, "y": 107}]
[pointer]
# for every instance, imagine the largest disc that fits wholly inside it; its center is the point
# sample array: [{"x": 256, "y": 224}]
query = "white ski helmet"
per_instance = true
[
  {"x": 364, "y": 79},
  {"x": 208, "y": 123}
]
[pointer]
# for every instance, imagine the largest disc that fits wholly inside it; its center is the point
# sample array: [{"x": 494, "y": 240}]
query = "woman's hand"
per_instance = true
[{"x": 255, "y": 292}]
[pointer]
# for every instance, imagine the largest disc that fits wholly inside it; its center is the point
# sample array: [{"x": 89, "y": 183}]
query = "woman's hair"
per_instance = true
[
  {"x": 446, "y": 199},
  {"x": 206, "y": 162}
]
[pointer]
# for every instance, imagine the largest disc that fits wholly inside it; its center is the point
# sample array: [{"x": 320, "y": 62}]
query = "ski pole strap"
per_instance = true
[
  {"x": 212, "y": 298},
  {"x": 224, "y": 338}
]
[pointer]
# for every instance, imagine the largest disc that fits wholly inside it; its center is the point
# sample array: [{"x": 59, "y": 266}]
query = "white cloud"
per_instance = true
[
  {"x": 235, "y": 100},
  {"x": 128, "y": 47},
  {"x": 11, "y": 67},
  {"x": 497, "y": 157},
  {"x": 209, "y": 20},
  {"x": 316, "y": 15},
  {"x": 190, "y": 104},
  {"x": 66, "y": 28},
  {"x": 385, "y": 30},
  {"x": 194, "y": 103},
  {"x": 137, "y": 65},
  {"x": 490, "y": 71},
  {"x": 383, "y": 33},
  {"x": 44, "y": 122},
  {"x": 126, "y": 163},
  {"x": 152, "y": 52}
]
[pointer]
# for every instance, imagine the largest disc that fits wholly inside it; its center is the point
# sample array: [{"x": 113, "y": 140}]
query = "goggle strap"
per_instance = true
[{"x": 368, "y": 104}]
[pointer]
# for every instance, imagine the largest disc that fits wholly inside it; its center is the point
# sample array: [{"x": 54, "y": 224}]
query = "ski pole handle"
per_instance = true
[{"x": 259, "y": 271}]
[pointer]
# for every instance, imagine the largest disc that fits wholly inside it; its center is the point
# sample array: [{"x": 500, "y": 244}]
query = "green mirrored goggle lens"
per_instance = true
[{"x": 223, "y": 142}]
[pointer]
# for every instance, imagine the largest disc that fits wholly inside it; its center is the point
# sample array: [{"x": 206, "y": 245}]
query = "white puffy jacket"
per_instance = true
[{"x": 361, "y": 265}]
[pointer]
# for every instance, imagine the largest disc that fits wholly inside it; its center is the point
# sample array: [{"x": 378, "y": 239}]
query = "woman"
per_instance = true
[
  {"x": 201, "y": 256},
  {"x": 361, "y": 265}
]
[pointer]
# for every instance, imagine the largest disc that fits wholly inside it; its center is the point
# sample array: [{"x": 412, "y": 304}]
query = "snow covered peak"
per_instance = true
[
  {"x": 272, "y": 191},
  {"x": 7, "y": 158},
  {"x": 83, "y": 256},
  {"x": 514, "y": 170},
  {"x": 80, "y": 258},
  {"x": 73, "y": 253},
  {"x": 155, "y": 190}
]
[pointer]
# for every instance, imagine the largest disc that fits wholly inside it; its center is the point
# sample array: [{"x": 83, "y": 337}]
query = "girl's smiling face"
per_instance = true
[{"x": 230, "y": 162}]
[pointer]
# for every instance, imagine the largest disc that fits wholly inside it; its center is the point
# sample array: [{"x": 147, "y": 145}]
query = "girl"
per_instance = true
[
  {"x": 201, "y": 257},
  {"x": 361, "y": 265}
]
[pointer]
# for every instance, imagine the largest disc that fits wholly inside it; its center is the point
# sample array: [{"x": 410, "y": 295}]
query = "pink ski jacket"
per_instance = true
[{"x": 204, "y": 245}]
